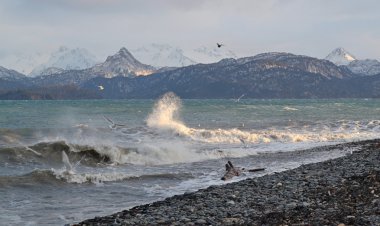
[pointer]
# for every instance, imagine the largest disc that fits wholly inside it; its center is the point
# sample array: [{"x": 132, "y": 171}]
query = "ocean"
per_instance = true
[{"x": 65, "y": 161}]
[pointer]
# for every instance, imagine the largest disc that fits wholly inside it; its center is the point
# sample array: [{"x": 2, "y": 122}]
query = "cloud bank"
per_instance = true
[{"x": 248, "y": 27}]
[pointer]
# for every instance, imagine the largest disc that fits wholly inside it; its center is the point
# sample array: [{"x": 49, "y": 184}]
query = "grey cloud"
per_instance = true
[{"x": 247, "y": 26}]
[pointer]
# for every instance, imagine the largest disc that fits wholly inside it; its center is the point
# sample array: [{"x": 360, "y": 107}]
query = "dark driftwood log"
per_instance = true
[
  {"x": 236, "y": 171},
  {"x": 255, "y": 170}
]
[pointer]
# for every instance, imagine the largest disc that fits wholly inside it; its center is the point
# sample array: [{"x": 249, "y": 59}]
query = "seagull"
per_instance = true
[
  {"x": 112, "y": 124},
  {"x": 34, "y": 151},
  {"x": 219, "y": 45},
  {"x": 101, "y": 87},
  {"x": 238, "y": 99},
  {"x": 243, "y": 142},
  {"x": 66, "y": 162},
  {"x": 77, "y": 163}
]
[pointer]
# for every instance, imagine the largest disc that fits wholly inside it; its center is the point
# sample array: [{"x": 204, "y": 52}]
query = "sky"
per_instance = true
[{"x": 247, "y": 27}]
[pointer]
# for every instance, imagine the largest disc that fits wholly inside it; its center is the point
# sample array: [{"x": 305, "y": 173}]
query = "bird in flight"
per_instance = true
[
  {"x": 101, "y": 87},
  {"x": 66, "y": 162},
  {"x": 243, "y": 142},
  {"x": 219, "y": 45},
  {"x": 112, "y": 125},
  {"x": 238, "y": 99}
]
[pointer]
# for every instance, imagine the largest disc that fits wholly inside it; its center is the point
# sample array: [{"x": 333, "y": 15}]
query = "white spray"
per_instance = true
[
  {"x": 165, "y": 114},
  {"x": 165, "y": 117}
]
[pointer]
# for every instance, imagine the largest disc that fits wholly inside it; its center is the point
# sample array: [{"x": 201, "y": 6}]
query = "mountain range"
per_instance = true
[
  {"x": 267, "y": 75},
  {"x": 162, "y": 55},
  {"x": 157, "y": 55},
  {"x": 340, "y": 56},
  {"x": 65, "y": 59}
]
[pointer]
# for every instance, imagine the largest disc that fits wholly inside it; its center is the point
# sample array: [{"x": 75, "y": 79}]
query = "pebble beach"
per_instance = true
[{"x": 341, "y": 191}]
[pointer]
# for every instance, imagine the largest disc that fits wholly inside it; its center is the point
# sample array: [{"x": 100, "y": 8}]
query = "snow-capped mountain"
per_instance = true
[
  {"x": 10, "y": 75},
  {"x": 11, "y": 80},
  {"x": 67, "y": 59},
  {"x": 51, "y": 71},
  {"x": 162, "y": 55},
  {"x": 340, "y": 56},
  {"x": 24, "y": 63},
  {"x": 365, "y": 67},
  {"x": 122, "y": 64},
  {"x": 288, "y": 61},
  {"x": 211, "y": 55}
]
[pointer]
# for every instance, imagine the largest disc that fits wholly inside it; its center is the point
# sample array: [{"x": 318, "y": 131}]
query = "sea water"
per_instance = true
[{"x": 66, "y": 161}]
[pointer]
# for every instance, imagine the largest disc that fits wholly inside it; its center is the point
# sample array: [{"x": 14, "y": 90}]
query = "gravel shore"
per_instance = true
[{"x": 342, "y": 191}]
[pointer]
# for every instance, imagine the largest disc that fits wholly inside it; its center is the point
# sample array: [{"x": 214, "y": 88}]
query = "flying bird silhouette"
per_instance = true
[{"x": 219, "y": 45}]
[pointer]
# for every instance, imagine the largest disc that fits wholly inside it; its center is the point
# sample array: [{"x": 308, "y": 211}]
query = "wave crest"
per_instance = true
[
  {"x": 165, "y": 116},
  {"x": 59, "y": 176}
]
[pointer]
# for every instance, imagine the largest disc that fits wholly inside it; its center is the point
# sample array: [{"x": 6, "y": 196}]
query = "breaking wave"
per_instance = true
[
  {"x": 51, "y": 153},
  {"x": 165, "y": 117},
  {"x": 166, "y": 139},
  {"x": 60, "y": 176}
]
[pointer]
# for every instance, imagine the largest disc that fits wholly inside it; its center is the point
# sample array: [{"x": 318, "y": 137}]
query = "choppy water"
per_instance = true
[{"x": 160, "y": 148}]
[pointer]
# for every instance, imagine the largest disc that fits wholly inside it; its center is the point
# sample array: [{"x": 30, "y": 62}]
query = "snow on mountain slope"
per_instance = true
[
  {"x": 24, "y": 63},
  {"x": 51, "y": 71},
  {"x": 340, "y": 56},
  {"x": 162, "y": 55},
  {"x": 67, "y": 59},
  {"x": 365, "y": 67},
  {"x": 10, "y": 75},
  {"x": 122, "y": 63},
  {"x": 157, "y": 55},
  {"x": 205, "y": 54}
]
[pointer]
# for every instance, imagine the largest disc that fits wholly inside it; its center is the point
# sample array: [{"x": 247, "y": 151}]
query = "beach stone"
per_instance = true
[
  {"x": 185, "y": 219},
  {"x": 231, "y": 196},
  {"x": 291, "y": 205},
  {"x": 160, "y": 221},
  {"x": 230, "y": 202},
  {"x": 201, "y": 221},
  {"x": 232, "y": 221},
  {"x": 376, "y": 202}
]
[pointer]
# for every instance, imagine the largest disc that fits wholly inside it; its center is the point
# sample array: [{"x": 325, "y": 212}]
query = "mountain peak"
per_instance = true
[
  {"x": 63, "y": 49},
  {"x": 124, "y": 52},
  {"x": 122, "y": 55},
  {"x": 9, "y": 74},
  {"x": 123, "y": 63},
  {"x": 340, "y": 56},
  {"x": 162, "y": 55},
  {"x": 67, "y": 59}
]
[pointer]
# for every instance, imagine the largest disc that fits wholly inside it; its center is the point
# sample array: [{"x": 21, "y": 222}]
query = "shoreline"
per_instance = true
[{"x": 343, "y": 190}]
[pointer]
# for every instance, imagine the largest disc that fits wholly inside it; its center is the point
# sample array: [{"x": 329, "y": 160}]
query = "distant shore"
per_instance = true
[{"x": 345, "y": 191}]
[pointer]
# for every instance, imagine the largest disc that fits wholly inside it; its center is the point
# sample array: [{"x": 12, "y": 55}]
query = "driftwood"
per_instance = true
[{"x": 236, "y": 171}]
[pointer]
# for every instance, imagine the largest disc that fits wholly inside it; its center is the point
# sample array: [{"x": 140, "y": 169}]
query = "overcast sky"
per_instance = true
[{"x": 247, "y": 27}]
